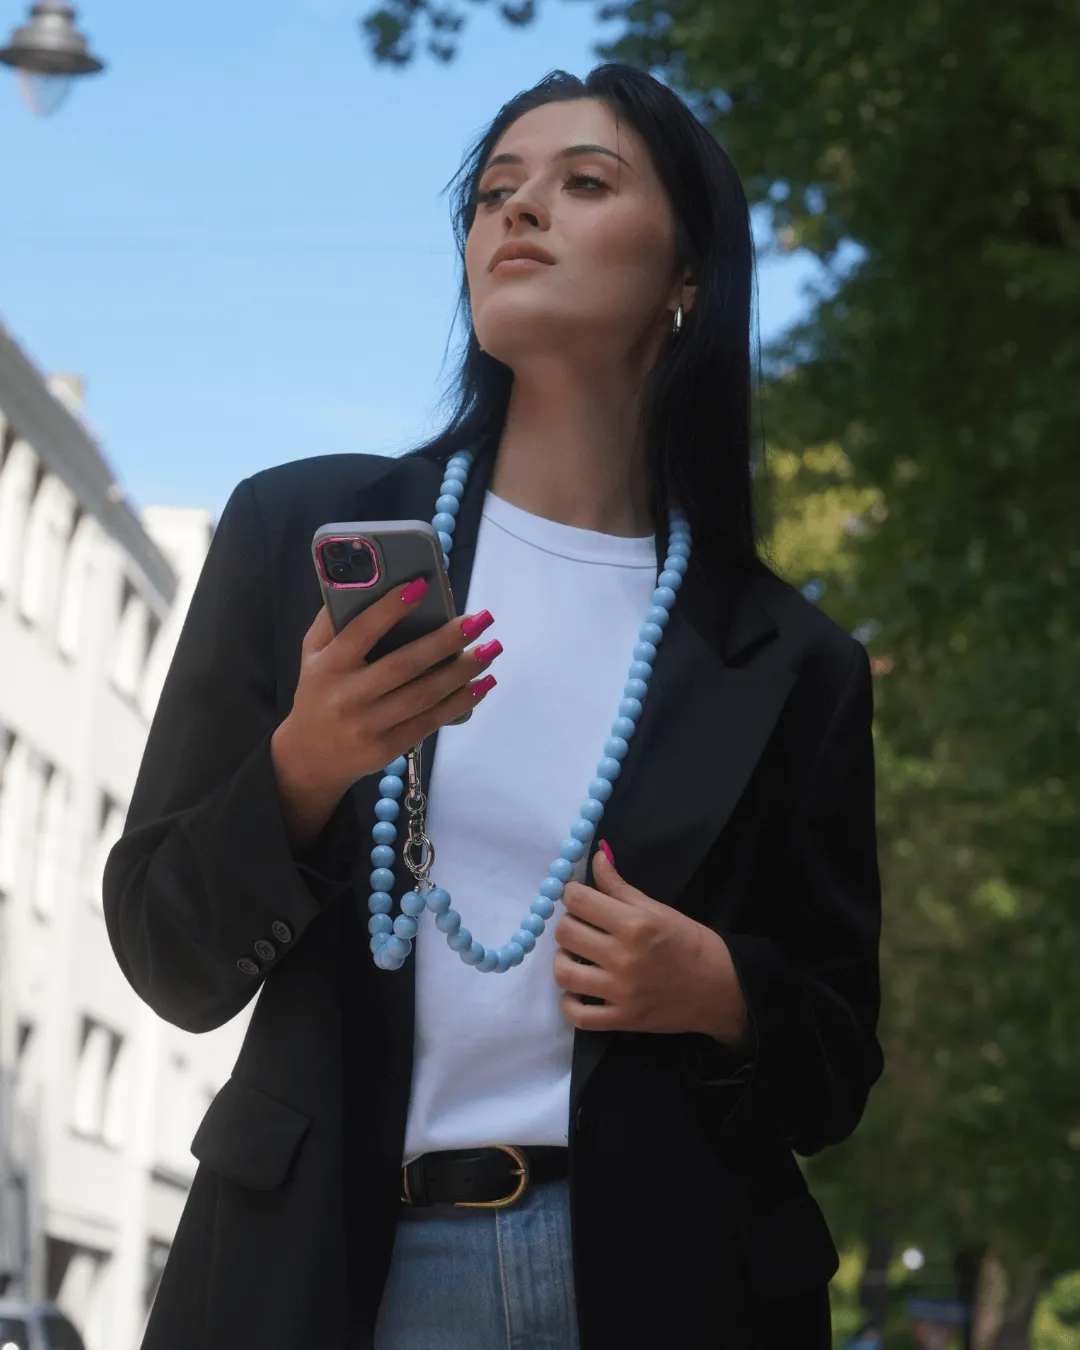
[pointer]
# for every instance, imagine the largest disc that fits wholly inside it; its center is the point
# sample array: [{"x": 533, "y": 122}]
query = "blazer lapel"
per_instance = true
[{"x": 712, "y": 704}]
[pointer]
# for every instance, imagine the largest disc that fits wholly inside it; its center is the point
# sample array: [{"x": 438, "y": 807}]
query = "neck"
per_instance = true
[{"x": 572, "y": 451}]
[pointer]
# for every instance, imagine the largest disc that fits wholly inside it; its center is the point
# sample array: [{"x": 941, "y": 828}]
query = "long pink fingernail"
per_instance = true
[
  {"x": 483, "y": 686},
  {"x": 488, "y": 652},
  {"x": 474, "y": 626},
  {"x": 414, "y": 591},
  {"x": 607, "y": 852}
]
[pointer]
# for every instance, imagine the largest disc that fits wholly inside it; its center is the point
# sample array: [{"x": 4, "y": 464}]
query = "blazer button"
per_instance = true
[
  {"x": 281, "y": 931},
  {"x": 264, "y": 950},
  {"x": 247, "y": 965}
]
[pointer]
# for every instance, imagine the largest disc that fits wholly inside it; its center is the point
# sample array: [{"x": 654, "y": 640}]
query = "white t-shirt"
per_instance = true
[{"x": 493, "y": 1052}]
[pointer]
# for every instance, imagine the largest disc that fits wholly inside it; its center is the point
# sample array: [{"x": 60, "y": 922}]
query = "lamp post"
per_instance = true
[{"x": 48, "y": 52}]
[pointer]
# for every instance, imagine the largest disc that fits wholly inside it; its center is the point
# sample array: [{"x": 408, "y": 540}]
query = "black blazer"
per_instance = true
[{"x": 747, "y": 800}]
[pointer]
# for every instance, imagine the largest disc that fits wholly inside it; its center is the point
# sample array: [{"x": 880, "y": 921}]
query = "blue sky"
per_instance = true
[{"x": 236, "y": 234}]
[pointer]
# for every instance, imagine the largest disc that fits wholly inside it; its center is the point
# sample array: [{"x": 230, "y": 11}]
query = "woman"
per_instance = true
[{"x": 633, "y": 1076}]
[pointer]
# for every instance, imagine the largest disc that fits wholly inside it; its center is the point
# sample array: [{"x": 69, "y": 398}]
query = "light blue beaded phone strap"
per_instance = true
[{"x": 392, "y": 939}]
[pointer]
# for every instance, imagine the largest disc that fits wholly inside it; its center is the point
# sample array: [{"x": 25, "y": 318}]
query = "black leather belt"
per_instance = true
[{"x": 480, "y": 1178}]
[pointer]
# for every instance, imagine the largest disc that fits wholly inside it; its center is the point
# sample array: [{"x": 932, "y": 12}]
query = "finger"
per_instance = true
[
  {"x": 320, "y": 634},
  {"x": 591, "y": 1016},
  {"x": 575, "y": 978},
  {"x": 417, "y": 728},
  {"x": 607, "y": 880},
  {"x": 433, "y": 686},
  {"x": 592, "y": 906},
  {"x": 356, "y": 639},
  {"x": 581, "y": 939}
]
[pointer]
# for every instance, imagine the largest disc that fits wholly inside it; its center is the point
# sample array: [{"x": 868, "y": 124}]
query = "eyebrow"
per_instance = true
[{"x": 571, "y": 152}]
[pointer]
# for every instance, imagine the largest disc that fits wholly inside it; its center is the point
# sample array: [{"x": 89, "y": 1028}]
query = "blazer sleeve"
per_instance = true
[
  {"x": 202, "y": 893},
  {"x": 810, "y": 977}
]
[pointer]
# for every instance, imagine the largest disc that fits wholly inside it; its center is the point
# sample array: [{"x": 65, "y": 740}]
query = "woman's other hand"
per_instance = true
[{"x": 656, "y": 969}]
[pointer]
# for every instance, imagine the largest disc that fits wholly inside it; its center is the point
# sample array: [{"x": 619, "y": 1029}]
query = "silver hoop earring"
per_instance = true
[{"x": 676, "y": 322}]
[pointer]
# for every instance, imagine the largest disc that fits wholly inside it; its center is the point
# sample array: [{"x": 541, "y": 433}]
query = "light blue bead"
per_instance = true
[
  {"x": 572, "y": 849},
  {"x": 551, "y": 887},
  {"x": 438, "y": 900},
  {"x": 616, "y": 747},
  {"x": 474, "y": 955},
  {"x": 502, "y": 963},
  {"x": 631, "y": 708},
  {"x": 591, "y": 809},
  {"x": 460, "y": 459},
  {"x": 460, "y": 941},
  {"x": 533, "y": 923},
  {"x": 380, "y": 903},
  {"x": 644, "y": 651},
  {"x": 658, "y": 615},
  {"x": 671, "y": 579},
  {"x": 448, "y": 922},
  {"x": 382, "y": 855},
  {"x": 640, "y": 670},
  {"x": 608, "y": 768},
  {"x": 525, "y": 940},
  {"x": 664, "y": 597},
  {"x": 600, "y": 788},
  {"x": 583, "y": 830},
  {"x": 624, "y": 727},
  {"x": 378, "y": 943},
  {"x": 447, "y": 506},
  {"x": 560, "y": 869},
  {"x": 516, "y": 952},
  {"x": 678, "y": 549},
  {"x": 399, "y": 768},
  {"x": 635, "y": 689},
  {"x": 413, "y": 904},
  {"x": 404, "y": 927},
  {"x": 676, "y": 562},
  {"x": 383, "y": 832},
  {"x": 397, "y": 949},
  {"x": 380, "y": 923},
  {"x": 453, "y": 487},
  {"x": 382, "y": 879},
  {"x": 391, "y": 786},
  {"x": 444, "y": 522},
  {"x": 448, "y": 542},
  {"x": 542, "y": 907},
  {"x": 489, "y": 962},
  {"x": 387, "y": 962},
  {"x": 455, "y": 473},
  {"x": 387, "y": 809},
  {"x": 650, "y": 634}
]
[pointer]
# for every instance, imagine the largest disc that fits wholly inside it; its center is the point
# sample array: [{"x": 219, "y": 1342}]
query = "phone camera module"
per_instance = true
[
  {"x": 340, "y": 571},
  {"x": 335, "y": 551},
  {"x": 363, "y": 565}
]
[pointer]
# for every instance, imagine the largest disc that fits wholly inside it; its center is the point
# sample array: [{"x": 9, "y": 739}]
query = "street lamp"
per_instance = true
[{"x": 48, "y": 52}]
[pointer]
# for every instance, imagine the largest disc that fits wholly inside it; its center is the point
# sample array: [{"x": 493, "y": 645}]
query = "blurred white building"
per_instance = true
[{"x": 99, "y": 1100}]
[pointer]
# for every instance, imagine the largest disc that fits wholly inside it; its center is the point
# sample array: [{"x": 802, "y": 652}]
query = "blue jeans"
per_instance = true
[{"x": 474, "y": 1279}]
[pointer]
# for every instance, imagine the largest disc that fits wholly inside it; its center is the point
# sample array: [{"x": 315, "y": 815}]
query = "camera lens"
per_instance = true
[
  {"x": 363, "y": 564},
  {"x": 335, "y": 550},
  {"x": 340, "y": 571}
]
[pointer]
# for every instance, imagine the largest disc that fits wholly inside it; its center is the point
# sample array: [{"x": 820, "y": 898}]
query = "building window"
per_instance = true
[
  {"x": 99, "y": 1094},
  {"x": 74, "y": 586},
  {"x": 26, "y": 777},
  {"x": 10, "y": 772},
  {"x": 132, "y": 638},
  {"x": 53, "y": 842},
  {"x": 110, "y": 827},
  {"x": 18, "y": 479},
  {"x": 75, "y": 1280},
  {"x": 48, "y": 532}
]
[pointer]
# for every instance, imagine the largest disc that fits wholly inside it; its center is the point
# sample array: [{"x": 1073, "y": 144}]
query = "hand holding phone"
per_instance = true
[{"x": 353, "y": 715}]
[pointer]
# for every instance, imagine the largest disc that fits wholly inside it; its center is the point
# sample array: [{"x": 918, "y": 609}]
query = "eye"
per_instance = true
[
  {"x": 583, "y": 180},
  {"x": 491, "y": 195}
]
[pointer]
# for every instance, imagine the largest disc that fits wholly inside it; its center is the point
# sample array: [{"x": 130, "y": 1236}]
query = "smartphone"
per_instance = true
[{"x": 357, "y": 562}]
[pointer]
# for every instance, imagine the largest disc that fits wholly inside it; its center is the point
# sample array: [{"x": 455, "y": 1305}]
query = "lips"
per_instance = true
[{"x": 516, "y": 252}]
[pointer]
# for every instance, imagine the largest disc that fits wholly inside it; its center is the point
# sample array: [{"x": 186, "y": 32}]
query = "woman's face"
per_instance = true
[{"x": 568, "y": 183}]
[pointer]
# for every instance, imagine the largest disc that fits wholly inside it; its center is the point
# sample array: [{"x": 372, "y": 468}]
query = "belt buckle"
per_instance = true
[{"x": 521, "y": 1172}]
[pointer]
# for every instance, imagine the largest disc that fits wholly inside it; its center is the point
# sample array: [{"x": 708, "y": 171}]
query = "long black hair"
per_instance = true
[{"x": 698, "y": 399}]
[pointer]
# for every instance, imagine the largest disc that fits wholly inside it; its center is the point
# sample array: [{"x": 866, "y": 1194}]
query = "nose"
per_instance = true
[{"x": 525, "y": 208}]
